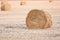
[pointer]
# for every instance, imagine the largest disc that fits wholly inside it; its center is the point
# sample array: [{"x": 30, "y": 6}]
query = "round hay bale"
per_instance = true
[
  {"x": 5, "y": 6},
  {"x": 38, "y": 19},
  {"x": 51, "y": 1},
  {"x": 23, "y": 3}
]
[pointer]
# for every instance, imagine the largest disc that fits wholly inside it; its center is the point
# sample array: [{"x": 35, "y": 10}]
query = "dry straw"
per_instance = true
[{"x": 38, "y": 19}]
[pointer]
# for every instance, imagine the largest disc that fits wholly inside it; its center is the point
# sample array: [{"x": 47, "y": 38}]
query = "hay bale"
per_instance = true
[
  {"x": 23, "y": 3},
  {"x": 38, "y": 19},
  {"x": 5, "y": 6},
  {"x": 51, "y": 1}
]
